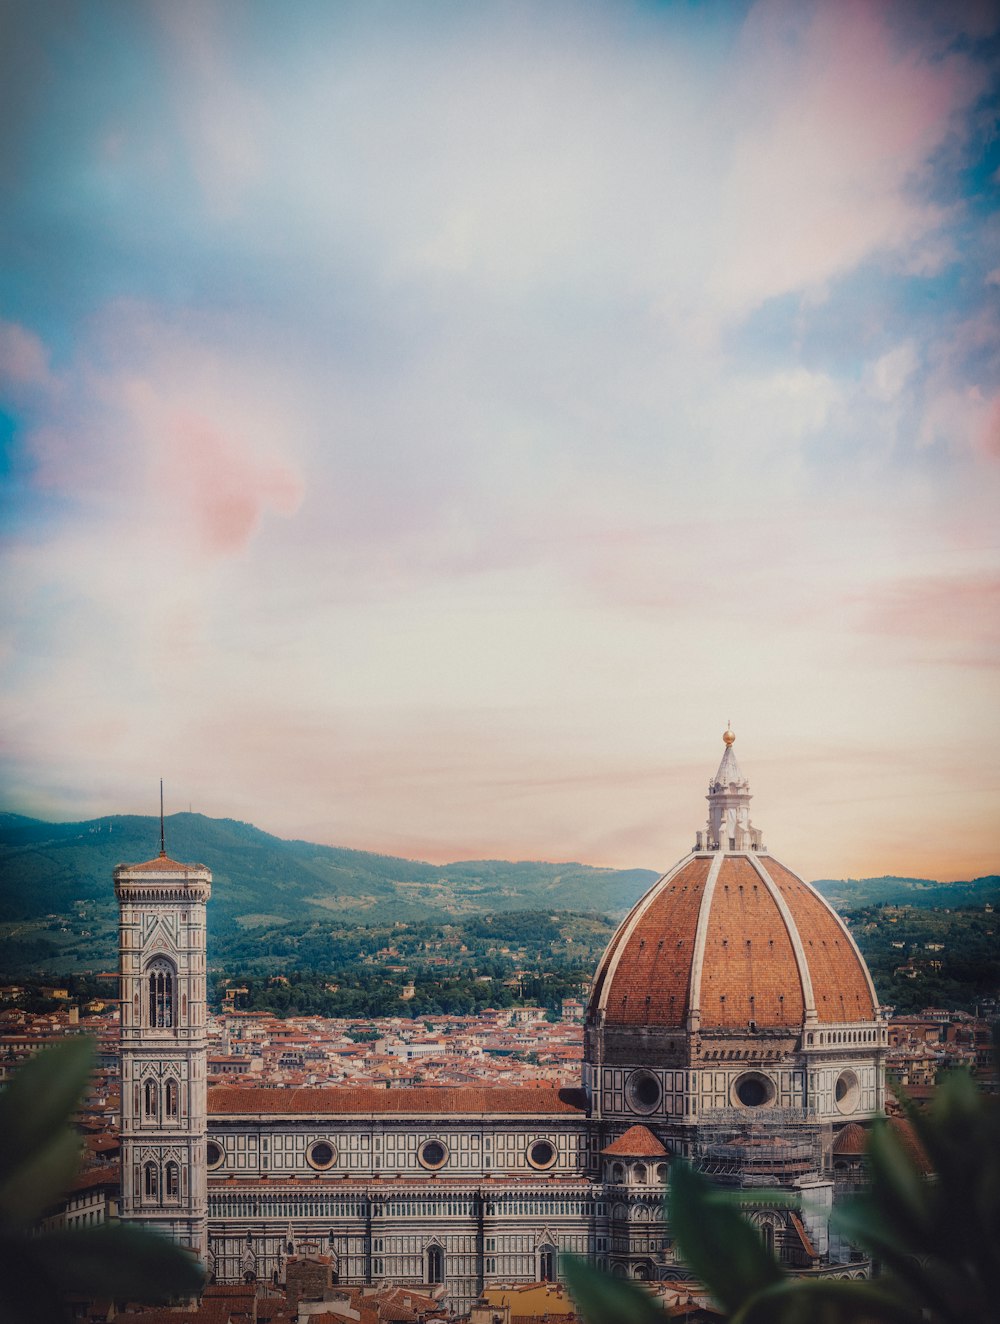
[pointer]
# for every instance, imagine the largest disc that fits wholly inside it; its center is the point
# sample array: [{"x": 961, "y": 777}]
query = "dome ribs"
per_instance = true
[
  {"x": 760, "y": 945},
  {"x": 749, "y": 972},
  {"x": 840, "y": 982},
  {"x": 645, "y": 976}
]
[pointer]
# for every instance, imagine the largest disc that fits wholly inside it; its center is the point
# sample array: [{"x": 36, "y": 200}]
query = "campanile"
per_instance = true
[{"x": 161, "y": 956}]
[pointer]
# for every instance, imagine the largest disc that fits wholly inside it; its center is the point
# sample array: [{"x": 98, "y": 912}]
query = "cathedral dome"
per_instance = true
[{"x": 730, "y": 939}]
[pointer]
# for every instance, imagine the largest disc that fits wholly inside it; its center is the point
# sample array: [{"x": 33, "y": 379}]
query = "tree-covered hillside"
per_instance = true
[{"x": 48, "y": 867}]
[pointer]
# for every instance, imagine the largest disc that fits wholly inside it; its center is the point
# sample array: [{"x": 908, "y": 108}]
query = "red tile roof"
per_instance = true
[
  {"x": 749, "y": 970},
  {"x": 351, "y": 1101},
  {"x": 838, "y": 974},
  {"x": 649, "y": 984},
  {"x": 850, "y": 1141},
  {"x": 910, "y": 1141},
  {"x": 162, "y": 864},
  {"x": 92, "y": 1179},
  {"x": 637, "y": 1142}
]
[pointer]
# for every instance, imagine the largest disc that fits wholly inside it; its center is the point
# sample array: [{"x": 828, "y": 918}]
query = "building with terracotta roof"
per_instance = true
[{"x": 731, "y": 1020}]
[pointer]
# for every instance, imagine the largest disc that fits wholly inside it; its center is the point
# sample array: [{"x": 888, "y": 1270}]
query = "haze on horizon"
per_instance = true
[{"x": 424, "y": 425}]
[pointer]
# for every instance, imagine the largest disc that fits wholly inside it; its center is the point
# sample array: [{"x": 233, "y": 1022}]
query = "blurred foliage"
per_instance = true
[
  {"x": 39, "y": 1157},
  {"x": 936, "y": 1237}
]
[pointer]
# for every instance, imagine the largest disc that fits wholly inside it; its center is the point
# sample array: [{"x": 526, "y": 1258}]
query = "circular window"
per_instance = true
[
  {"x": 433, "y": 1154},
  {"x": 321, "y": 1155},
  {"x": 643, "y": 1092},
  {"x": 753, "y": 1090},
  {"x": 213, "y": 1154},
  {"x": 847, "y": 1092},
  {"x": 541, "y": 1154}
]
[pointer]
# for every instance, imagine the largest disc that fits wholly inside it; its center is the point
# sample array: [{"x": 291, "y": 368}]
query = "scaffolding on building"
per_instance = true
[{"x": 763, "y": 1152}]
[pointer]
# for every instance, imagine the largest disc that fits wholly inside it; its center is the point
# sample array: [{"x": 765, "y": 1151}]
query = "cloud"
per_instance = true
[
  {"x": 891, "y": 372},
  {"x": 424, "y": 424},
  {"x": 24, "y": 361},
  {"x": 957, "y": 616},
  {"x": 225, "y": 493}
]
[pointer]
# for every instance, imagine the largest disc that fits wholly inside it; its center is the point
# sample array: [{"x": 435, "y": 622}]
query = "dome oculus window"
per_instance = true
[
  {"x": 541, "y": 1154},
  {"x": 643, "y": 1092},
  {"x": 433, "y": 1154},
  {"x": 753, "y": 1090},
  {"x": 847, "y": 1092},
  {"x": 321, "y": 1155},
  {"x": 213, "y": 1154}
]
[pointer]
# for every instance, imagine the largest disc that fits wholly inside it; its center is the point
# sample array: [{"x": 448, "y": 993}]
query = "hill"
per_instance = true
[
  {"x": 856, "y": 893},
  {"x": 260, "y": 878}
]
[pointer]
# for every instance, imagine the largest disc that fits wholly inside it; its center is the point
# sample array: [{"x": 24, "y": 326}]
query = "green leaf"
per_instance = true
[
  {"x": 602, "y": 1299},
  {"x": 39, "y": 1100},
  {"x": 37, "y": 1184},
  {"x": 27, "y": 1297},
  {"x": 121, "y": 1261},
  {"x": 826, "y": 1301},
  {"x": 719, "y": 1246},
  {"x": 898, "y": 1190}
]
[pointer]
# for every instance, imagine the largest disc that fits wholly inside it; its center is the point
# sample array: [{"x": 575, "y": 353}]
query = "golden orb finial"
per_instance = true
[{"x": 728, "y": 736}]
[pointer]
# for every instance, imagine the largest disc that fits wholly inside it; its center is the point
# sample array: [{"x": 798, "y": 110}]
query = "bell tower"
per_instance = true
[{"x": 161, "y": 956}]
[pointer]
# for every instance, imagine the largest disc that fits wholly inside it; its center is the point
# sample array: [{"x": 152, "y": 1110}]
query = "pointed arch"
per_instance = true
[
  {"x": 435, "y": 1263},
  {"x": 161, "y": 981},
  {"x": 546, "y": 1262},
  {"x": 172, "y": 1181}
]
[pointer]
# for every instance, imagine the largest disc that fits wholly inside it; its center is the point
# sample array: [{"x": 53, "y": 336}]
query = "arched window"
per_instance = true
[
  {"x": 618, "y": 1173},
  {"x": 435, "y": 1264},
  {"x": 767, "y": 1231},
  {"x": 150, "y": 1181},
  {"x": 149, "y": 1092},
  {"x": 161, "y": 995},
  {"x": 639, "y": 1172},
  {"x": 547, "y": 1264},
  {"x": 170, "y": 1097},
  {"x": 172, "y": 1181}
]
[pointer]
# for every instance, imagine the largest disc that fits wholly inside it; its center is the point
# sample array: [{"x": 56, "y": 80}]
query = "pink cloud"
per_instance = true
[
  {"x": 24, "y": 360},
  {"x": 960, "y": 611},
  {"x": 839, "y": 122},
  {"x": 225, "y": 491},
  {"x": 988, "y": 432}
]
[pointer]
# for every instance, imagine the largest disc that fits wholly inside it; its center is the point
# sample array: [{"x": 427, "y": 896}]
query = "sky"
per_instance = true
[{"x": 424, "y": 426}]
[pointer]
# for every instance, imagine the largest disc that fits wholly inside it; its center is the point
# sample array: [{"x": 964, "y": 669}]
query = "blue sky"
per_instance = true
[{"x": 424, "y": 425}]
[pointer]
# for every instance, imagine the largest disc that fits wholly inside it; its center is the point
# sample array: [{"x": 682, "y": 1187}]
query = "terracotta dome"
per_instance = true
[
  {"x": 730, "y": 938},
  {"x": 850, "y": 1142}
]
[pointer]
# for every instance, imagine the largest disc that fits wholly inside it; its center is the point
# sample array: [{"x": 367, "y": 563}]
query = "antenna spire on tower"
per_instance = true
[{"x": 163, "y": 847}]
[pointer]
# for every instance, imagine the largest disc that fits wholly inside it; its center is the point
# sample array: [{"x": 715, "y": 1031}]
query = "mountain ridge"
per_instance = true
[{"x": 49, "y": 867}]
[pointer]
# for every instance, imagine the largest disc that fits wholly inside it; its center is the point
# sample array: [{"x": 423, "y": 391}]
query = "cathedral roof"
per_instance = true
[
  {"x": 729, "y": 770},
  {"x": 907, "y": 1136},
  {"x": 637, "y": 1142},
  {"x": 730, "y": 937},
  {"x": 851, "y": 1140},
  {"x": 349, "y": 1101},
  {"x": 161, "y": 864}
]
